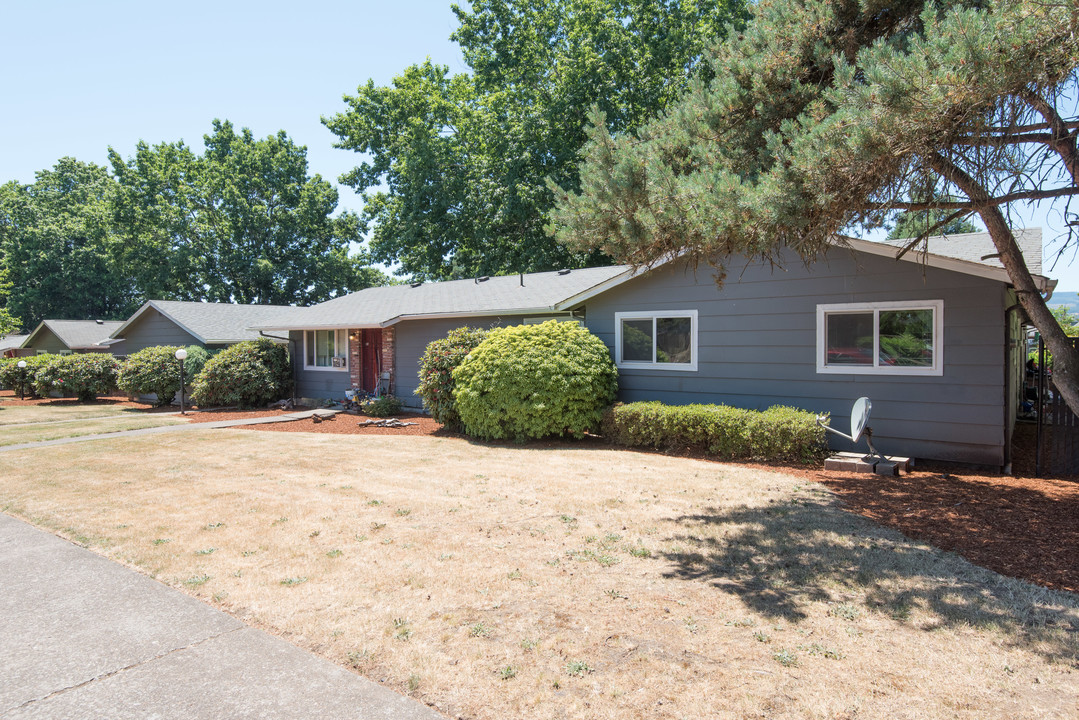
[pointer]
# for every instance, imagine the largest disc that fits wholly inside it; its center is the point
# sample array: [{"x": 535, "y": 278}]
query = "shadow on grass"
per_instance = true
[{"x": 786, "y": 559}]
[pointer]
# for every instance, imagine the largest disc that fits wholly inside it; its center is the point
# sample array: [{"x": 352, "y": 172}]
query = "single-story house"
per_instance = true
[
  {"x": 11, "y": 346},
  {"x": 211, "y": 325},
  {"x": 64, "y": 337},
  {"x": 933, "y": 339}
]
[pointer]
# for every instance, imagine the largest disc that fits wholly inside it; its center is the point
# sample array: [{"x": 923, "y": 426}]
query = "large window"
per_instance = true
[
  {"x": 666, "y": 341},
  {"x": 886, "y": 338},
  {"x": 325, "y": 349}
]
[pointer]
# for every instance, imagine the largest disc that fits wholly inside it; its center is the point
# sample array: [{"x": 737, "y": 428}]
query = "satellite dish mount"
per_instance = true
[{"x": 859, "y": 426}]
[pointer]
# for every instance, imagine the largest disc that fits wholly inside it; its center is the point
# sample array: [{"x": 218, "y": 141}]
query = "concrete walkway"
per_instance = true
[
  {"x": 288, "y": 417},
  {"x": 84, "y": 637}
]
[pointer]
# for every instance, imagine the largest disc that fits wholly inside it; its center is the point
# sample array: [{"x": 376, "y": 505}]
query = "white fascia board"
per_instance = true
[
  {"x": 942, "y": 263},
  {"x": 604, "y": 286},
  {"x": 33, "y": 334}
]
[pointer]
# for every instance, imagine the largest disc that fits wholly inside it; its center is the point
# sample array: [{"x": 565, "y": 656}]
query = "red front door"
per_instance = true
[{"x": 370, "y": 359}]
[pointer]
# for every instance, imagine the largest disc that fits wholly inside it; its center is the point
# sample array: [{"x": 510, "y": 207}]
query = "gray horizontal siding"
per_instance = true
[
  {"x": 152, "y": 329},
  {"x": 757, "y": 348},
  {"x": 324, "y": 384}
]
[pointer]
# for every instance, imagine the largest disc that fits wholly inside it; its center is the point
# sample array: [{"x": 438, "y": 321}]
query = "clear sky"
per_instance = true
[{"x": 80, "y": 77}]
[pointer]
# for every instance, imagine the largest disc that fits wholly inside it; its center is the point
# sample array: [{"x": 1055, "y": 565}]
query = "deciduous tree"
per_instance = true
[{"x": 454, "y": 183}]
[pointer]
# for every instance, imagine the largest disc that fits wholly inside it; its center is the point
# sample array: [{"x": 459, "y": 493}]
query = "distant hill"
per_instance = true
[{"x": 1069, "y": 300}]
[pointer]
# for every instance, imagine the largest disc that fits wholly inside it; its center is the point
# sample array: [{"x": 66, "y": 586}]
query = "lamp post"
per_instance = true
[
  {"x": 22, "y": 379},
  {"x": 181, "y": 355}
]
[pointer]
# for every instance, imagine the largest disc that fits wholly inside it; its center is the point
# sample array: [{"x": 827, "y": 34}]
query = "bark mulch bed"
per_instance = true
[
  {"x": 346, "y": 424},
  {"x": 9, "y": 398}
]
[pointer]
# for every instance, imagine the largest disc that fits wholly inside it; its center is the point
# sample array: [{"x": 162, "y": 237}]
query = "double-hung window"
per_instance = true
[
  {"x": 659, "y": 340},
  {"x": 325, "y": 349},
  {"x": 882, "y": 338}
]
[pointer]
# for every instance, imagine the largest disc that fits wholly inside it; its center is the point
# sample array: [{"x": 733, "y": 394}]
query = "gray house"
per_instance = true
[
  {"x": 64, "y": 337},
  {"x": 175, "y": 322},
  {"x": 934, "y": 339}
]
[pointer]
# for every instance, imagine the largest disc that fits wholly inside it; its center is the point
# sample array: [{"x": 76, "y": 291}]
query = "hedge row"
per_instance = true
[
  {"x": 776, "y": 434},
  {"x": 84, "y": 376},
  {"x": 248, "y": 374}
]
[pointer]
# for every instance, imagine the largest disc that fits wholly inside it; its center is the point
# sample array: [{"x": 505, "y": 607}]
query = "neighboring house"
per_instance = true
[
  {"x": 212, "y": 325},
  {"x": 11, "y": 346},
  {"x": 934, "y": 340},
  {"x": 64, "y": 337}
]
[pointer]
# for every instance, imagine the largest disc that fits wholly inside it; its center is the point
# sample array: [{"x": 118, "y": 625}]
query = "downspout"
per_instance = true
[
  {"x": 1007, "y": 469},
  {"x": 292, "y": 361}
]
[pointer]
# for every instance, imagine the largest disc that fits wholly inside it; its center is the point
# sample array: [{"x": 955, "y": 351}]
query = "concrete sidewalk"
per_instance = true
[
  {"x": 211, "y": 424},
  {"x": 84, "y": 637}
]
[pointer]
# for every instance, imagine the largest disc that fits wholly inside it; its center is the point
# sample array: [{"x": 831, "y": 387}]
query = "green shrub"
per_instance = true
[
  {"x": 11, "y": 375},
  {"x": 84, "y": 375},
  {"x": 776, "y": 434},
  {"x": 384, "y": 406},
  {"x": 249, "y": 374},
  {"x": 436, "y": 372},
  {"x": 151, "y": 370},
  {"x": 533, "y": 381}
]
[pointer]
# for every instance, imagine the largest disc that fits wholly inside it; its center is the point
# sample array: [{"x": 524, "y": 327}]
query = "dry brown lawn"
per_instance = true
[
  {"x": 563, "y": 582},
  {"x": 14, "y": 434}
]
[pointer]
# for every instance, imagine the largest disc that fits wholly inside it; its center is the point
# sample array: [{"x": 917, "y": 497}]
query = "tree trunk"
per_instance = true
[{"x": 1065, "y": 356}]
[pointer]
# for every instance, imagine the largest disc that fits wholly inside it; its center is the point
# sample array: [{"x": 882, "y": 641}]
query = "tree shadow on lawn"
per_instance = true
[{"x": 783, "y": 558}]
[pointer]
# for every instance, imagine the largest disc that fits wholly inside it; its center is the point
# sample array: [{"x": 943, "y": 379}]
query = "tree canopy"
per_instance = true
[
  {"x": 242, "y": 222},
  {"x": 831, "y": 115},
  {"x": 454, "y": 182},
  {"x": 57, "y": 247}
]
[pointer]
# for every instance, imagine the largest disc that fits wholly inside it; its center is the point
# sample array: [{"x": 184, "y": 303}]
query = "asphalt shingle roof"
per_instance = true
[
  {"x": 380, "y": 306},
  {"x": 216, "y": 322},
  {"x": 80, "y": 334},
  {"x": 12, "y": 341},
  {"x": 972, "y": 247}
]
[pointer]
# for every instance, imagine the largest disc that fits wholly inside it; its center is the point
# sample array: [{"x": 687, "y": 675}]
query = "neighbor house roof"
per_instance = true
[
  {"x": 214, "y": 323},
  {"x": 537, "y": 293},
  {"x": 531, "y": 293},
  {"x": 12, "y": 341},
  {"x": 77, "y": 334}
]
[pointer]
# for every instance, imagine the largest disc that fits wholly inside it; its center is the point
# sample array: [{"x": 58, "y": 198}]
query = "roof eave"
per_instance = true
[{"x": 940, "y": 262}]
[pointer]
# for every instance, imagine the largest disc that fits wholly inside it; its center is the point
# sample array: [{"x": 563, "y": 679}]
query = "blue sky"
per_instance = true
[{"x": 80, "y": 77}]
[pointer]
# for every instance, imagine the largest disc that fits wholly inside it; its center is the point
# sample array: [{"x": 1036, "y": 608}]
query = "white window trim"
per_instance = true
[
  {"x": 937, "y": 369},
  {"x": 337, "y": 342},
  {"x": 653, "y": 316}
]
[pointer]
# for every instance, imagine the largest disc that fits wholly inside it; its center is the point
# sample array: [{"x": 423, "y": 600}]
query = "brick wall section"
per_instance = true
[
  {"x": 389, "y": 342},
  {"x": 354, "y": 357}
]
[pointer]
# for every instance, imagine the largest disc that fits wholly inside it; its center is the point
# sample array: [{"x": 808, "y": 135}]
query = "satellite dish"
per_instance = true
[
  {"x": 859, "y": 417},
  {"x": 859, "y": 425}
]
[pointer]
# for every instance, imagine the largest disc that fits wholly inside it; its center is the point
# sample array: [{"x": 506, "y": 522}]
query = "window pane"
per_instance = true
[
  {"x": 637, "y": 340},
  {"x": 906, "y": 338},
  {"x": 323, "y": 348},
  {"x": 673, "y": 340},
  {"x": 850, "y": 338},
  {"x": 309, "y": 342}
]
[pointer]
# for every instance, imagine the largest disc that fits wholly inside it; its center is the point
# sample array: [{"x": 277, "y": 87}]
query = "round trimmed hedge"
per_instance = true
[
  {"x": 156, "y": 370},
  {"x": 249, "y": 374},
  {"x": 534, "y": 381},
  {"x": 439, "y": 360}
]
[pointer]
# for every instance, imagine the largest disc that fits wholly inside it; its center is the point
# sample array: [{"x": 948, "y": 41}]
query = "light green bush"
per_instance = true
[
  {"x": 383, "y": 406},
  {"x": 83, "y": 375},
  {"x": 534, "y": 381},
  {"x": 249, "y": 374},
  {"x": 436, "y": 372},
  {"x": 776, "y": 434}
]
